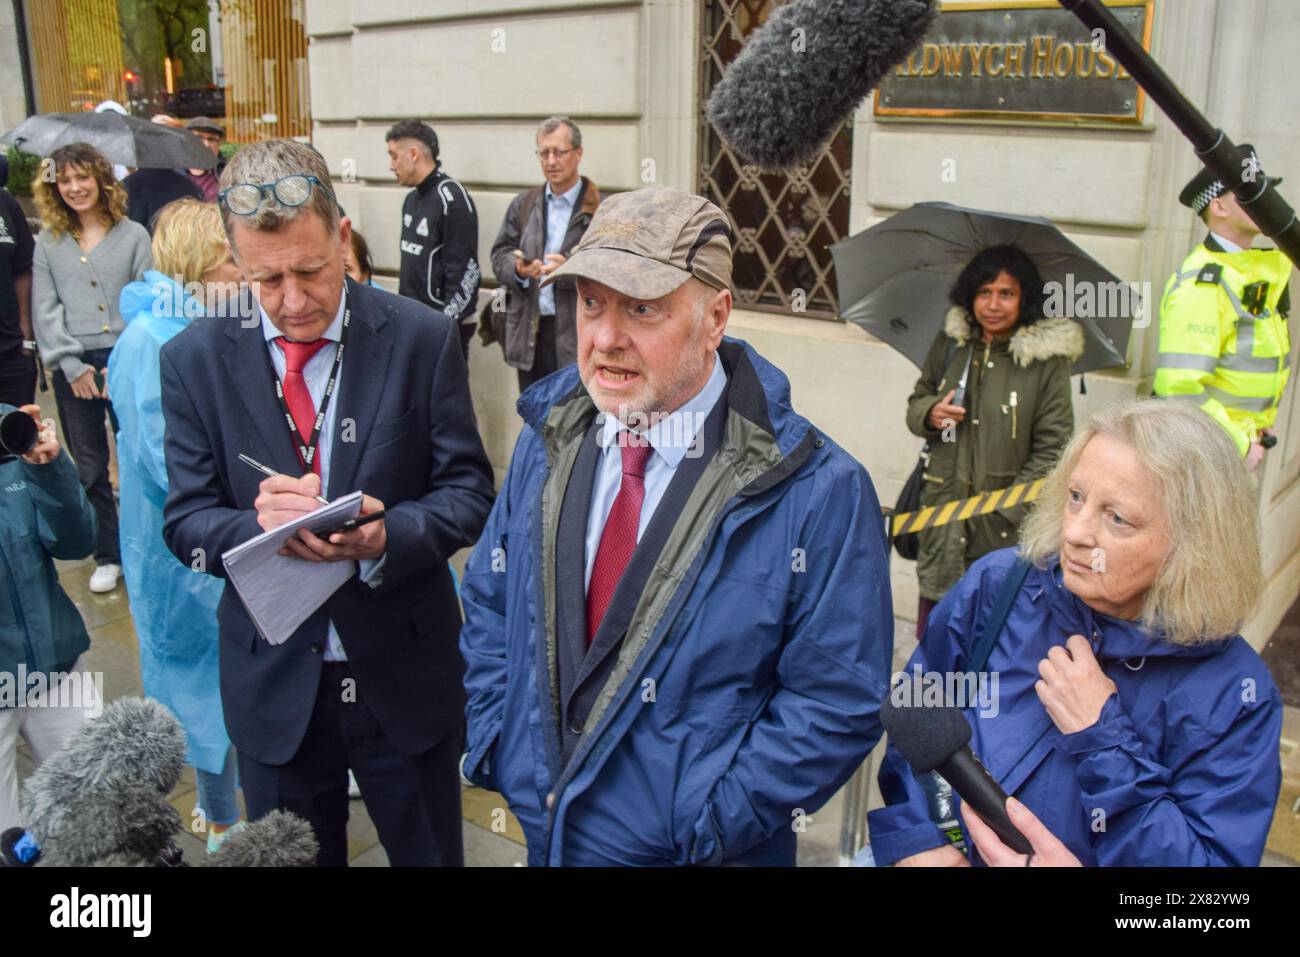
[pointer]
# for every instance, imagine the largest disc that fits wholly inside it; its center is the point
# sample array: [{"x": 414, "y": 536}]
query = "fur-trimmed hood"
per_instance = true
[{"x": 1045, "y": 339}]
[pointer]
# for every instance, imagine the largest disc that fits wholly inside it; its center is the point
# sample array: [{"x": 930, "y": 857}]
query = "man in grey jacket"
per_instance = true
[{"x": 541, "y": 227}]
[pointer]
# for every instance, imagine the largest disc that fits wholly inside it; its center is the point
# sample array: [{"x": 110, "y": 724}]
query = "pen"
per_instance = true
[{"x": 266, "y": 471}]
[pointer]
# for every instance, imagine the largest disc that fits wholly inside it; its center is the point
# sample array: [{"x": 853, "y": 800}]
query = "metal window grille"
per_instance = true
[{"x": 785, "y": 222}]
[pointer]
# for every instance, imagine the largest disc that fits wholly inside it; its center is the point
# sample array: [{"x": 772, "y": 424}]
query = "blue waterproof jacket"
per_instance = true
[
  {"x": 174, "y": 606},
  {"x": 44, "y": 515},
  {"x": 749, "y": 681},
  {"x": 1181, "y": 769}
]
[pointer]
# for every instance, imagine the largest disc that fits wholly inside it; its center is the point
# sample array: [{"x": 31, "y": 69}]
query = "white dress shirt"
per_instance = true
[{"x": 316, "y": 373}]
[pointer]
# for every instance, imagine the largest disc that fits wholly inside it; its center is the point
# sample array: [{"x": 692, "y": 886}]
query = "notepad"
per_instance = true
[{"x": 280, "y": 592}]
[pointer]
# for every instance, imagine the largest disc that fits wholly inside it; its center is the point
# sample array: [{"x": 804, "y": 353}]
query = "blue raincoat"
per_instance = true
[
  {"x": 1181, "y": 768},
  {"x": 174, "y": 607},
  {"x": 748, "y": 693}
]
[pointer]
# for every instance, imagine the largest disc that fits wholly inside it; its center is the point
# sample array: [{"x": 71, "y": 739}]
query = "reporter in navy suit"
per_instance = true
[{"x": 373, "y": 680}]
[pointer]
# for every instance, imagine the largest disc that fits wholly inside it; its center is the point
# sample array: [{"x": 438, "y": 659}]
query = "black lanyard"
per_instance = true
[{"x": 307, "y": 450}]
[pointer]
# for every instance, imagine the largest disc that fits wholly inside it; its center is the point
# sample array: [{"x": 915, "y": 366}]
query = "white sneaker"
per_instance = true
[{"x": 105, "y": 578}]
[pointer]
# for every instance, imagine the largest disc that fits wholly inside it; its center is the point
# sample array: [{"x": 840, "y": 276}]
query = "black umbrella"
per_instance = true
[
  {"x": 124, "y": 140},
  {"x": 894, "y": 278}
]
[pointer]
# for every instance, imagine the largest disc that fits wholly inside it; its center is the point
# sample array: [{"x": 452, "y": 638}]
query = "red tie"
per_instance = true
[
  {"x": 618, "y": 540},
  {"x": 296, "y": 394}
]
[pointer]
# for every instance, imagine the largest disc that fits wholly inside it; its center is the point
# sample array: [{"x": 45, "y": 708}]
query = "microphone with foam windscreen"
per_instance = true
[
  {"x": 937, "y": 739},
  {"x": 278, "y": 839},
  {"x": 134, "y": 741},
  {"x": 800, "y": 75}
]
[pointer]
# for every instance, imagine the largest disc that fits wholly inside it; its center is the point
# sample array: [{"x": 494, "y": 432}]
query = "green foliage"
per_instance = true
[
  {"x": 153, "y": 29},
  {"x": 23, "y": 168}
]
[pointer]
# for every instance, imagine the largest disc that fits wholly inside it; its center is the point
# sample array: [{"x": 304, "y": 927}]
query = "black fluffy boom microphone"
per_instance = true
[
  {"x": 803, "y": 72},
  {"x": 938, "y": 739}
]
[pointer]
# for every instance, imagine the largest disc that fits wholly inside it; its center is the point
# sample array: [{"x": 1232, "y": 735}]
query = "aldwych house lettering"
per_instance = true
[
  {"x": 1024, "y": 62},
  {"x": 1037, "y": 58}
]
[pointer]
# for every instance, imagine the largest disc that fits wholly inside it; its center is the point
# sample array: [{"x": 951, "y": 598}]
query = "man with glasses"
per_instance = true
[
  {"x": 338, "y": 387},
  {"x": 540, "y": 229},
  {"x": 439, "y": 229},
  {"x": 212, "y": 135}
]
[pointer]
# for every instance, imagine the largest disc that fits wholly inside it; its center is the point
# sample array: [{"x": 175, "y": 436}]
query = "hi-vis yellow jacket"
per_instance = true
[{"x": 1224, "y": 342}]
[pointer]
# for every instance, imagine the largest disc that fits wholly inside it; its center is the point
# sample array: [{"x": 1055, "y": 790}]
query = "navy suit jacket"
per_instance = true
[{"x": 416, "y": 448}]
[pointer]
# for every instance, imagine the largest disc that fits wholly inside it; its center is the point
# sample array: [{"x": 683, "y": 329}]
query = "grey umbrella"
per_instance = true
[
  {"x": 124, "y": 140},
  {"x": 894, "y": 278}
]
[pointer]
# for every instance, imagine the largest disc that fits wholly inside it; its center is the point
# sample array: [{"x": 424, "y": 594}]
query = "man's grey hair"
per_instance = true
[
  {"x": 553, "y": 123},
  {"x": 271, "y": 160}
]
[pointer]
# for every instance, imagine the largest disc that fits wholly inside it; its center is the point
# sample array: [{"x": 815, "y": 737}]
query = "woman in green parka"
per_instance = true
[{"x": 1016, "y": 418}]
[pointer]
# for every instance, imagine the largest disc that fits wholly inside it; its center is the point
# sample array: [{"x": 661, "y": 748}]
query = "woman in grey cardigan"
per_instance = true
[{"x": 86, "y": 252}]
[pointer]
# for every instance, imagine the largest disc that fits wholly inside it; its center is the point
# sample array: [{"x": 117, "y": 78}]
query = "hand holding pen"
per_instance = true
[{"x": 282, "y": 498}]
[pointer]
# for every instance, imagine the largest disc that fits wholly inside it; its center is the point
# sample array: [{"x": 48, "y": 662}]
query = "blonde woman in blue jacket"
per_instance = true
[{"x": 174, "y": 605}]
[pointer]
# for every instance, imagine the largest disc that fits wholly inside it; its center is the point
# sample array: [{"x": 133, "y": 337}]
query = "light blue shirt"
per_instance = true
[
  {"x": 559, "y": 210},
  {"x": 316, "y": 373},
  {"x": 673, "y": 437}
]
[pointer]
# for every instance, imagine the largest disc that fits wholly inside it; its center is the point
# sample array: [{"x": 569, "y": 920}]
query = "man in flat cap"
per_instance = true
[
  {"x": 210, "y": 132},
  {"x": 1223, "y": 334},
  {"x": 678, "y": 621}
]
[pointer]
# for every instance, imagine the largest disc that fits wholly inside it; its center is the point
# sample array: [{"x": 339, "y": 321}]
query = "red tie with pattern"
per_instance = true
[
  {"x": 296, "y": 395},
  {"x": 618, "y": 540}
]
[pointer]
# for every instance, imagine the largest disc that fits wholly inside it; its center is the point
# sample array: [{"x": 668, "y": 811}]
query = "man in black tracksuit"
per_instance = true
[{"x": 439, "y": 230}]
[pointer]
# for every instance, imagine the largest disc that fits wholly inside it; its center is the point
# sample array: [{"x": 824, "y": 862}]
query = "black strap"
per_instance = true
[
  {"x": 307, "y": 450},
  {"x": 997, "y": 619},
  {"x": 949, "y": 349}
]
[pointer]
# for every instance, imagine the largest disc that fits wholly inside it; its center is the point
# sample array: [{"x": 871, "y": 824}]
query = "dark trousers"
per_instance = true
[
  {"x": 413, "y": 801},
  {"x": 544, "y": 361},
  {"x": 18, "y": 378},
  {"x": 87, "y": 442}
]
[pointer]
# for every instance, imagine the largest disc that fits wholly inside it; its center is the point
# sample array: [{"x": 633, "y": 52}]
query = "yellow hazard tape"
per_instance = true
[{"x": 963, "y": 509}]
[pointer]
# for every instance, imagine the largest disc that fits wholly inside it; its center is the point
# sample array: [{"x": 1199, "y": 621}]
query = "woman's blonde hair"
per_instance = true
[
  {"x": 57, "y": 217},
  {"x": 1211, "y": 575},
  {"x": 189, "y": 240}
]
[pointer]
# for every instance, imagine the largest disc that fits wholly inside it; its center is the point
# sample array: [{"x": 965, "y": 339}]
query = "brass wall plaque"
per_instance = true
[{"x": 1018, "y": 60}]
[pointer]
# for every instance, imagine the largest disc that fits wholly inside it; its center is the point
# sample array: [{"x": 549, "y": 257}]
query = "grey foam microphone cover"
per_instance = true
[
  {"x": 125, "y": 824},
  {"x": 134, "y": 740},
  {"x": 924, "y": 736},
  {"x": 800, "y": 76},
  {"x": 279, "y": 839}
]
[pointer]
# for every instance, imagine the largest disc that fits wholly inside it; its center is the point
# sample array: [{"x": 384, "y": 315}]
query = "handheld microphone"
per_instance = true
[
  {"x": 800, "y": 75},
  {"x": 938, "y": 739}
]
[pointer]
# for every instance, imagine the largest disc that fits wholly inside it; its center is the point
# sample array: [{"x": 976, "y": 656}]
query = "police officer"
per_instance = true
[{"x": 1223, "y": 334}]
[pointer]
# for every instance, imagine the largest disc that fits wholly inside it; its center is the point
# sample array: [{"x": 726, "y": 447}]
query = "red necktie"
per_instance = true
[
  {"x": 296, "y": 394},
  {"x": 618, "y": 540}
]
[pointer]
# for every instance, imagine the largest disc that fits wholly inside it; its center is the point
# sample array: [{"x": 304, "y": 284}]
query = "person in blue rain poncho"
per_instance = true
[{"x": 174, "y": 605}]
